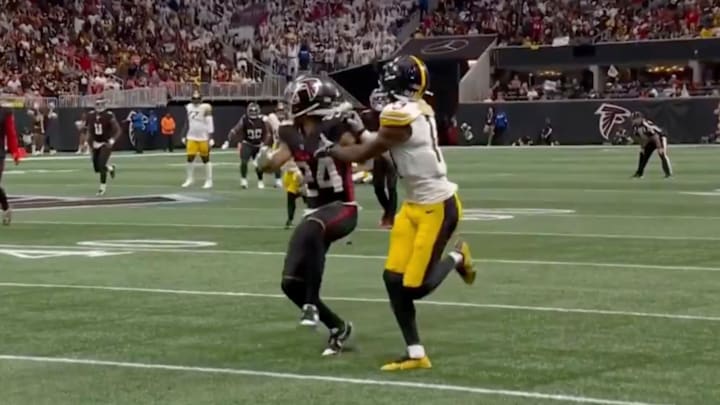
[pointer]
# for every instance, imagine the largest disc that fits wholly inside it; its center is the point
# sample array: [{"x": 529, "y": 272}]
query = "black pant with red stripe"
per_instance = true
[{"x": 305, "y": 258}]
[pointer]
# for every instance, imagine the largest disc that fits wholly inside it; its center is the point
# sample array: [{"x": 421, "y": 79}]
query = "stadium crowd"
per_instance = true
[
  {"x": 84, "y": 46},
  {"x": 546, "y": 22}
]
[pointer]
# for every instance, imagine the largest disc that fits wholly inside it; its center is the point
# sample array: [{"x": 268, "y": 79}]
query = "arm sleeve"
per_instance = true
[
  {"x": 209, "y": 121},
  {"x": 10, "y": 133}
]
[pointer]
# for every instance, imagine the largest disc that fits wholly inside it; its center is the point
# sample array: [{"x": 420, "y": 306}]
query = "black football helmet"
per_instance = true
[
  {"x": 253, "y": 111},
  {"x": 100, "y": 104},
  {"x": 311, "y": 95},
  {"x": 405, "y": 77}
]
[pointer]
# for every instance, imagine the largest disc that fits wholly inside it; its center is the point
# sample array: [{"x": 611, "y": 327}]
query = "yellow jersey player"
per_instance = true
[
  {"x": 199, "y": 138},
  {"x": 431, "y": 210}
]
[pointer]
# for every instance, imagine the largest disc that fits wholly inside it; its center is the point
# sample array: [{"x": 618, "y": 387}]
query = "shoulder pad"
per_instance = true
[{"x": 399, "y": 114}]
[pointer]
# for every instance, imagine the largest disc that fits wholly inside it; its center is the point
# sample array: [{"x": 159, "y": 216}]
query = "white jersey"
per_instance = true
[
  {"x": 200, "y": 121},
  {"x": 419, "y": 161},
  {"x": 274, "y": 123}
]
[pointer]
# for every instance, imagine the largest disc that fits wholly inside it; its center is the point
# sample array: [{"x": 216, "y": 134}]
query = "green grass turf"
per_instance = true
[{"x": 642, "y": 247}]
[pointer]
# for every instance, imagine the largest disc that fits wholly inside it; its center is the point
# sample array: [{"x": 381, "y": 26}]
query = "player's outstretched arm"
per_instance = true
[
  {"x": 371, "y": 148},
  {"x": 270, "y": 162}
]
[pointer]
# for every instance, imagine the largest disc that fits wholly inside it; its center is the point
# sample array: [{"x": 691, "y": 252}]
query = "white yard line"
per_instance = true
[
  {"x": 375, "y": 230},
  {"x": 371, "y": 257},
  {"x": 322, "y": 378},
  {"x": 370, "y": 300}
]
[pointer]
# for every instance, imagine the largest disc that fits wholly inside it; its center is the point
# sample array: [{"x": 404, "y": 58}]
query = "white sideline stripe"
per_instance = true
[
  {"x": 373, "y": 300},
  {"x": 310, "y": 377},
  {"x": 370, "y": 257},
  {"x": 463, "y": 232}
]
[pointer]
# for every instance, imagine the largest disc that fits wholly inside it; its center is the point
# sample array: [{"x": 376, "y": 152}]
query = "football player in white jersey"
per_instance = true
[
  {"x": 431, "y": 210},
  {"x": 199, "y": 138},
  {"x": 274, "y": 120}
]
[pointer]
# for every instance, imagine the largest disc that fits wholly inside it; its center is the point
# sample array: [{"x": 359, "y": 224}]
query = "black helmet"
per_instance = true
[
  {"x": 311, "y": 95},
  {"x": 253, "y": 110},
  {"x": 405, "y": 77},
  {"x": 100, "y": 104}
]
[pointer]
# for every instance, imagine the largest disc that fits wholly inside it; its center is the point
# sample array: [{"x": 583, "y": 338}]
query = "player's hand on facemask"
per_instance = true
[{"x": 355, "y": 122}]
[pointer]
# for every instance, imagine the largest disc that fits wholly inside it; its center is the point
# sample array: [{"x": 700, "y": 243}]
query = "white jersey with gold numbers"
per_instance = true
[
  {"x": 419, "y": 162},
  {"x": 200, "y": 121}
]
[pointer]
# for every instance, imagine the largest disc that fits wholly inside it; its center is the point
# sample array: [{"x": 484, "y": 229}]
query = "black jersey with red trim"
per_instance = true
[
  {"x": 254, "y": 130},
  {"x": 101, "y": 125},
  {"x": 371, "y": 120},
  {"x": 326, "y": 179}
]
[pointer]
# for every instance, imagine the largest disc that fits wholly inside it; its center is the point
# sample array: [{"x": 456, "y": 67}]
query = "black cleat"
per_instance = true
[
  {"x": 637, "y": 176},
  {"x": 338, "y": 338},
  {"x": 288, "y": 224},
  {"x": 310, "y": 316}
]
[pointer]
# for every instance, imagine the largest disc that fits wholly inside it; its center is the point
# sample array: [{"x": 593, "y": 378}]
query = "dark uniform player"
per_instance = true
[
  {"x": 546, "y": 135},
  {"x": 8, "y": 138},
  {"x": 104, "y": 129},
  {"x": 652, "y": 138},
  {"x": 254, "y": 134},
  {"x": 489, "y": 128},
  {"x": 38, "y": 130},
  {"x": 332, "y": 211},
  {"x": 384, "y": 176}
]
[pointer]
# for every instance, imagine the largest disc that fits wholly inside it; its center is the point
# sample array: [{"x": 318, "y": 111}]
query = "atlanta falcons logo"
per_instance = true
[{"x": 610, "y": 116}]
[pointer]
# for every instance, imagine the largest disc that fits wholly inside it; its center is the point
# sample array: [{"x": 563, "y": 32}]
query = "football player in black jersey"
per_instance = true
[
  {"x": 254, "y": 134},
  {"x": 651, "y": 138},
  {"x": 332, "y": 211},
  {"x": 104, "y": 129},
  {"x": 383, "y": 172}
]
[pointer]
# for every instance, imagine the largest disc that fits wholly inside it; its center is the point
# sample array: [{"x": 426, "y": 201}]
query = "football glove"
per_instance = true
[
  {"x": 355, "y": 122},
  {"x": 111, "y": 142},
  {"x": 211, "y": 142},
  {"x": 225, "y": 145},
  {"x": 263, "y": 158},
  {"x": 184, "y": 141}
]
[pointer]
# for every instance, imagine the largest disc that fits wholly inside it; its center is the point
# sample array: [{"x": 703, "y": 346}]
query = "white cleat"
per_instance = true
[
  {"x": 187, "y": 183},
  {"x": 208, "y": 184},
  {"x": 261, "y": 185},
  {"x": 244, "y": 183},
  {"x": 278, "y": 183},
  {"x": 100, "y": 192}
]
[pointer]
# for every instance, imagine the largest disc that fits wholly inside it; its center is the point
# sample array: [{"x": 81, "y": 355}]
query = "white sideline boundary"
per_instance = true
[
  {"x": 376, "y": 230},
  {"x": 369, "y": 300},
  {"x": 311, "y": 377},
  {"x": 373, "y": 257}
]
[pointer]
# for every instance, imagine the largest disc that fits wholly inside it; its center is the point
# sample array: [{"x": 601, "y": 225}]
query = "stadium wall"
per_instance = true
[
  {"x": 588, "y": 122},
  {"x": 580, "y": 122}
]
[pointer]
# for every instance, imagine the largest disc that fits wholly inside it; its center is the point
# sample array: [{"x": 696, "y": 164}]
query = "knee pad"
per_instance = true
[
  {"x": 393, "y": 281},
  {"x": 294, "y": 289},
  {"x": 190, "y": 159},
  {"x": 205, "y": 159}
]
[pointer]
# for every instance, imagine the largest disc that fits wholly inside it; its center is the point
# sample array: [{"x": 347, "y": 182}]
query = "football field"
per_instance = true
[{"x": 592, "y": 288}]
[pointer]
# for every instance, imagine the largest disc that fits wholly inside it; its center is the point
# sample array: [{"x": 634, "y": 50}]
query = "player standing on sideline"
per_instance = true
[
  {"x": 383, "y": 173},
  {"x": 9, "y": 139},
  {"x": 652, "y": 138},
  {"x": 38, "y": 130},
  {"x": 333, "y": 212},
  {"x": 104, "y": 129},
  {"x": 199, "y": 139},
  {"x": 431, "y": 210},
  {"x": 255, "y": 134}
]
